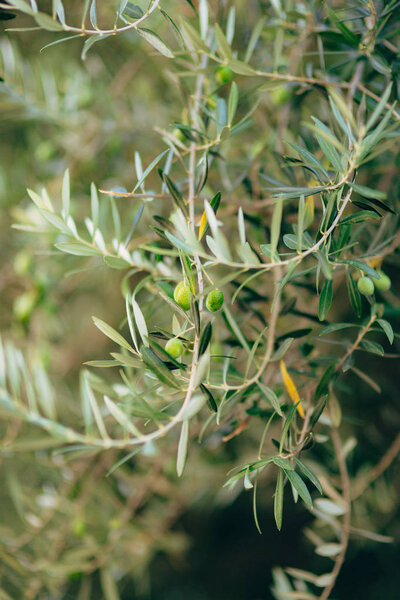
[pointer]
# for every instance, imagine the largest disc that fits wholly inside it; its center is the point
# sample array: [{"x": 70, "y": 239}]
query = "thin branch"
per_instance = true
[
  {"x": 345, "y": 481},
  {"x": 385, "y": 462}
]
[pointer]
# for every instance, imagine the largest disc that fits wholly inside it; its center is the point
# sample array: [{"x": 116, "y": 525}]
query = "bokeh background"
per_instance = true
[{"x": 65, "y": 526}]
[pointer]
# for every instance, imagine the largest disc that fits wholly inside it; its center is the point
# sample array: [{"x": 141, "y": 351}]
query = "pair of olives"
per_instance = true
[
  {"x": 183, "y": 295},
  {"x": 366, "y": 285}
]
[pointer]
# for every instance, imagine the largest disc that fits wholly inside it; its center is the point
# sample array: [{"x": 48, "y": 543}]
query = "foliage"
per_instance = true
[{"x": 267, "y": 195}]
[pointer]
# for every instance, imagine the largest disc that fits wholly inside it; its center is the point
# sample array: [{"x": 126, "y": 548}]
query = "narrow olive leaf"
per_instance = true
[
  {"x": 276, "y": 225},
  {"x": 271, "y": 397},
  {"x": 124, "y": 420},
  {"x": 329, "y": 507},
  {"x": 148, "y": 170},
  {"x": 210, "y": 398},
  {"x": 291, "y": 388},
  {"x": 309, "y": 474},
  {"x": 359, "y": 264},
  {"x": 90, "y": 42},
  {"x": 387, "y": 328},
  {"x": 101, "y": 364},
  {"x": 255, "y": 515},
  {"x": 340, "y": 120},
  {"x": 299, "y": 486},
  {"x": 154, "y": 40},
  {"x": 283, "y": 463},
  {"x": 323, "y": 385},
  {"x": 379, "y": 108},
  {"x": 123, "y": 460},
  {"x": 373, "y": 347},
  {"x": 329, "y": 550},
  {"x": 309, "y": 158},
  {"x": 286, "y": 426},
  {"x": 196, "y": 314},
  {"x": 283, "y": 348},
  {"x": 317, "y": 412},
  {"x": 254, "y": 37},
  {"x": 278, "y": 501},
  {"x": 223, "y": 46},
  {"x": 131, "y": 323},
  {"x": 300, "y": 225},
  {"x": 354, "y": 294},
  {"x": 203, "y": 18},
  {"x": 367, "y": 192},
  {"x": 182, "y": 448},
  {"x": 232, "y": 102},
  {"x": 202, "y": 369},
  {"x": 140, "y": 321},
  {"x": 325, "y": 300},
  {"x": 250, "y": 360},
  {"x": 66, "y": 194},
  {"x": 382, "y": 205},
  {"x": 157, "y": 366},
  {"x": 112, "y": 334},
  {"x": 241, "y": 227},
  {"x": 205, "y": 338},
  {"x": 178, "y": 243},
  {"x": 233, "y": 326},
  {"x": 175, "y": 193},
  {"x": 247, "y": 483},
  {"x": 90, "y": 406},
  {"x": 368, "y": 380},
  {"x": 335, "y": 327}
]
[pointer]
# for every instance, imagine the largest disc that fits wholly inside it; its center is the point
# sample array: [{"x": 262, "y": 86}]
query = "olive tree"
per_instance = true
[{"x": 253, "y": 250}]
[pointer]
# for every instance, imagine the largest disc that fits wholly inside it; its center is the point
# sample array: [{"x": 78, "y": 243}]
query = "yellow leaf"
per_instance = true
[
  {"x": 203, "y": 224},
  {"x": 291, "y": 388}
]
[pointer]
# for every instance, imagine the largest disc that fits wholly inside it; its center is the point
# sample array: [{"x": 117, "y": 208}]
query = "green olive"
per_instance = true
[
  {"x": 280, "y": 95},
  {"x": 178, "y": 134},
  {"x": 24, "y": 305},
  {"x": 383, "y": 284},
  {"x": 22, "y": 262},
  {"x": 223, "y": 75},
  {"x": 215, "y": 300},
  {"x": 183, "y": 295},
  {"x": 78, "y": 527},
  {"x": 365, "y": 286},
  {"x": 174, "y": 348}
]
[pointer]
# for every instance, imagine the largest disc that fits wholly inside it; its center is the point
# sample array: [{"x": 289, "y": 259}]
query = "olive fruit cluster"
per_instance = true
[
  {"x": 183, "y": 296},
  {"x": 366, "y": 285}
]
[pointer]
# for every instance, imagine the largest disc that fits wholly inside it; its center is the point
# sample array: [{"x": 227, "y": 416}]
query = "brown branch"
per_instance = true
[{"x": 385, "y": 462}]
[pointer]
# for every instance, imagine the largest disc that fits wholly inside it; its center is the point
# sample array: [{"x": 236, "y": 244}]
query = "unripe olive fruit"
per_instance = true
[
  {"x": 178, "y": 134},
  {"x": 78, "y": 527},
  {"x": 280, "y": 95},
  {"x": 365, "y": 286},
  {"x": 24, "y": 305},
  {"x": 22, "y": 262},
  {"x": 183, "y": 295},
  {"x": 223, "y": 75},
  {"x": 383, "y": 284},
  {"x": 174, "y": 348},
  {"x": 215, "y": 300}
]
